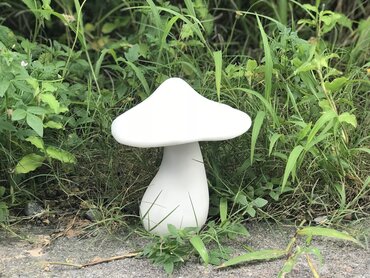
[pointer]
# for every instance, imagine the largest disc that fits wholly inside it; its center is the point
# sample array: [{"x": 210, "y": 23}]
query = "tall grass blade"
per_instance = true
[
  {"x": 223, "y": 209},
  {"x": 326, "y": 232},
  {"x": 274, "y": 138},
  {"x": 257, "y": 124},
  {"x": 262, "y": 255},
  {"x": 267, "y": 105},
  {"x": 283, "y": 11},
  {"x": 156, "y": 16},
  {"x": 198, "y": 245},
  {"x": 291, "y": 164},
  {"x": 217, "y": 56},
  {"x": 268, "y": 61}
]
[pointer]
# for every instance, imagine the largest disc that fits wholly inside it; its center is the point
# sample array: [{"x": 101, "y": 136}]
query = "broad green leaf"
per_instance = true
[
  {"x": 60, "y": 155},
  {"x": 52, "y": 124},
  {"x": 223, "y": 209},
  {"x": 251, "y": 211},
  {"x": 186, "y": 31},
  {"x": 325, "y": 105},
  {"x": 29, "y": 163},
  {"x": 262, "y": 255},
  {"x": 48, "y": 87},
  {"x": 259, "y": 202},
  {"x": 310, "y": 7},
  {"x": 31, "y": 4},
  {"x": 37, "y": 110},
  {"x": 168, "y": 267},
  {"x": 336, "y": 84},
  {"x": 35, "y": 123},
  {"x": 34, "y": 84},
  {"x": 4, "y": 85},
  {"x": 132, "y": 54},
  {"x": 50, "y": 100},
  {"x": 326, "y": 232},
  {"x": 251, "y": 65},
  {"x": 345, "y": 21},
  {"x": 198, "y": 245},
  {"x": 257, "y": 123},
  {"x": 348, "y": 118},
  {"x": 217, "y": 57},
  {"x": 18, "y": 114},
  {"x": 108, "y": 27},
  {"x": 291, "y": 163},
  {"x": 310, "y": 22},
  {"x": 36, "y": 141}
]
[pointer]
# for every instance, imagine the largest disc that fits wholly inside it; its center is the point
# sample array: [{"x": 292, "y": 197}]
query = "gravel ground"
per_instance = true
[{"x": 19, "y": 258}]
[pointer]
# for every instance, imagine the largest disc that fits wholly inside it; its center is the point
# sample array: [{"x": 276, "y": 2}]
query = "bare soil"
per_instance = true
[{"x": 29, "y": 258}]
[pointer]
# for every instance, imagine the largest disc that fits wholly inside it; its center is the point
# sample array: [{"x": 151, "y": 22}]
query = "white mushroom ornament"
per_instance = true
[{"x": 176, "y": 117}]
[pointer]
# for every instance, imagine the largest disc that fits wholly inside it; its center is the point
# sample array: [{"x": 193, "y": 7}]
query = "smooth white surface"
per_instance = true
[
  {"x": 176, "y": 114},
  {"x": 178, "y": 194}
]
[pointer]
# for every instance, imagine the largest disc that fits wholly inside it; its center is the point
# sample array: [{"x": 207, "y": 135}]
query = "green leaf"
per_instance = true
[
  {"x": 108, "y": 27},
  {"x": 168, "y": 267},
  {"x": 50, "y": 100},
  {"x": 31, "y": 4},
  {"x": 48, "y": 87},
  {"x": 36, "y": 110},
  {"x": 2, "y": 191},
  {"x": 326, "y": 117},
  {"x": 4, "y": 85},
  {"x": 186, "y": 31},
  {"x": 326, "y": 232},
  {"x": 172, "y": 229},
  {"x": 223, "y": 209},
  {"x": 198, "y": 245},
  {"x": 310, "y": 7},
  {"x": 217, "y": 57},
  {"x": 251, "y": 65},
  {"x": 132, "y": 55},
  {"x": 60, "y": 155},
  {"x": 274, "y": 138},
  {"x": 36, "y": 141},
  {"x": 34, "y": 84},
  {"x": 29, "y": 163},
  {"x": 35, "y": 123},
  {"x": 291, "y": 164},
  {"x": 348, "y": 118},
  {"x": 259, "y": 202},
  {"x": 262, "y": 255},
  {"x": 268, "y": 61},
  {"x": 18, "y": 114},
  {"x": 336, "y": 84},
  {"x": 4, "y": 213},
  {"x": 251, "y": 211},
  {"x": 257, "y": 123},
  {"x": 52, "y": 124}
]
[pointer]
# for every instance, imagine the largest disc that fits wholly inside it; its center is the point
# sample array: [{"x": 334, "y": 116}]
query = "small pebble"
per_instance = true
[{"x": 32, "y": 208}]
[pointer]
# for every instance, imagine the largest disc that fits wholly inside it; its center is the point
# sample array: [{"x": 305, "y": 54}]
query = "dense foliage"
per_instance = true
[{"x": 67, "y": 68}]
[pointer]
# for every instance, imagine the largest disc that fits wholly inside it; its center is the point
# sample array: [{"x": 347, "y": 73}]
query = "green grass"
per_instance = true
[{"x": 300, "y": 71}]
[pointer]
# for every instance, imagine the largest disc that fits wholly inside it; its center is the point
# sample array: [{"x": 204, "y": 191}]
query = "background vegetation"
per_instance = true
[{"x": 299, "y": 69}]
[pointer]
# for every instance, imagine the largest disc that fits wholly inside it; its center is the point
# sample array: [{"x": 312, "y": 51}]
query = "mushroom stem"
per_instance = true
[{"x": 178, "y": 194}]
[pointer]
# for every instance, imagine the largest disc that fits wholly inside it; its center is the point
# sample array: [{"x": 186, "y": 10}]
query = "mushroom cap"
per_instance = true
[{"x": 176, "y": 114}]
